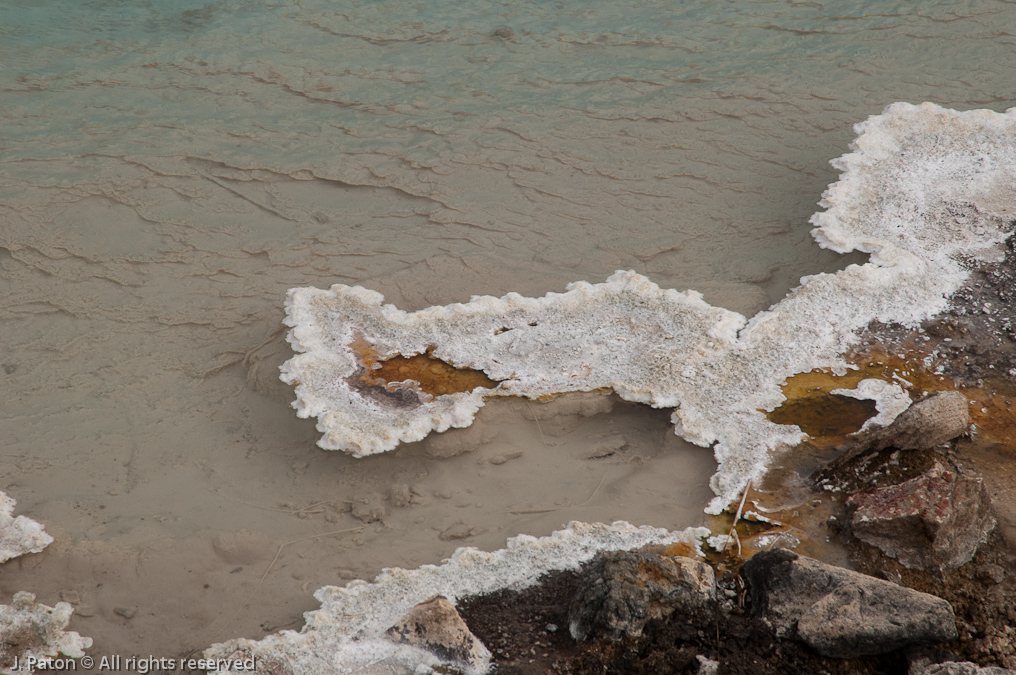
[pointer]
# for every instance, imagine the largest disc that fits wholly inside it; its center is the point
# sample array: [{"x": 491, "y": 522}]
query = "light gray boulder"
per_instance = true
[
  {"x": 435, "y": 625},
  {"x": 933, "y": 420},
  {"x": 840, "y": 613}
]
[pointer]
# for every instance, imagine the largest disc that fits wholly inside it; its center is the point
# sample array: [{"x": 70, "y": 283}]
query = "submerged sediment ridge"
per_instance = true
[{"x": 924, "y": 191}]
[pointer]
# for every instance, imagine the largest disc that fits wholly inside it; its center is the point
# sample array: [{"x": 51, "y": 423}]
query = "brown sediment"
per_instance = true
[
  {"x": 829, "y": 418},
  {"x": 434, "y": 376},
  {"x": 419, "y": 372},
  {"x": 821, "y": 414}
]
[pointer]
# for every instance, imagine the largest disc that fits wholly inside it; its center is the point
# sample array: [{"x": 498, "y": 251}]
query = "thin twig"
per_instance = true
[
  {"x": 276, "y": 559},
  {"x": 737, "y": 517},
  {"x": 536, "y": 418},
  {"x": 732, "y": 536},
  {"x": 593, "y": 493}
]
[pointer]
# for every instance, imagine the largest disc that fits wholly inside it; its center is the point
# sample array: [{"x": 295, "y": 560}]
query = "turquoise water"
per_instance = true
[
  {"x": 658, "y": 132},
  {"x": 169, "y": 169}
]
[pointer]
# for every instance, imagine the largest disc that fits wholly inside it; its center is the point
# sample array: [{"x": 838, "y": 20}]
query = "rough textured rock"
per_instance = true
[
  {"x": 929, "y": 422},
  {"x": 961, "y": 668},
  {"x": 621, "y": 590},
  {"x": 436, "y": 626},
  {"x": 840, "y": 613},
  {"x": 29, "y": 629},
  {"x": 933, "y": 522}
]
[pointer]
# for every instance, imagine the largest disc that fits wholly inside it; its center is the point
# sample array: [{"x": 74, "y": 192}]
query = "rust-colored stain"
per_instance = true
[
  {"x": 824, "y": 415},
  {"x": 992, "y": 409},
  {"x": 422, "y": 372},
  {"x": 829, "y": 418},
  {"x": 994, "y": 413},
  {"x": 654, "y": 573},
  {"x": 680, "y": 549}
]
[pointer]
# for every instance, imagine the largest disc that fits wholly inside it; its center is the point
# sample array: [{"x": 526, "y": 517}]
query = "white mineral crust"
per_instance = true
[
  {"x": 923, "y": 188},
  {"x": 19, "y": 535},
  {"x": 890, "y": 400},
  {"x": 29, "y": 629}
]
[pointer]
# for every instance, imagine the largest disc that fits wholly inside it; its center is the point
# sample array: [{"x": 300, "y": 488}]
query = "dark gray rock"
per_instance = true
[
  {"x": 436, "y": 626},
  {"x": 840, "y": 613},
  {"x": 621, "y": 590},
  {"x": 933, "y": 522}
]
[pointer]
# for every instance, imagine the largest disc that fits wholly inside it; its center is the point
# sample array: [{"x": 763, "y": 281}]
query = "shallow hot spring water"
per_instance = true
[{"x": 170, "y": 169}]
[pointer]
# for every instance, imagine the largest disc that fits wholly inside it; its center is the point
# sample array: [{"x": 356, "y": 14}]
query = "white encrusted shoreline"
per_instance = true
[
  {"x": 19, "y": 535},
  {"x": 347, "y": 634},
  {"x": 923, "y": 188}
]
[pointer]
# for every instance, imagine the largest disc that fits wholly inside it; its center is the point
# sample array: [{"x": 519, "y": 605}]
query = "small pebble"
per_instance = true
[
  {"x": 991, "y": 573},
  {"x": 551, "y": 627}
]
